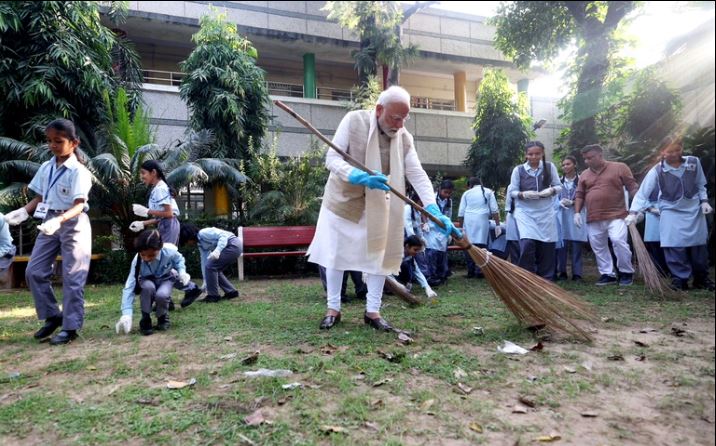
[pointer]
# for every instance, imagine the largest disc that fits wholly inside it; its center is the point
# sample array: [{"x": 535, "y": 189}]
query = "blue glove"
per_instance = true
[
  {"x": 361, "y": 178},
  {"x": 449, "y": 227}
]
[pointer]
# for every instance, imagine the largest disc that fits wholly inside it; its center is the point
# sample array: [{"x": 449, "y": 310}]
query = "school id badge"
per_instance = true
[{"x": 41, "y": 211}]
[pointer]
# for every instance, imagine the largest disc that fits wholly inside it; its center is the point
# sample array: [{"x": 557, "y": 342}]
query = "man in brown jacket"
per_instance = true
[{"x": 601, "y": 188}]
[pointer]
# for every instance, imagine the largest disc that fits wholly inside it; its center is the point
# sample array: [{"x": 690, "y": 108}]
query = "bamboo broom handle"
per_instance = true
[{"x": 354, "y": 162}]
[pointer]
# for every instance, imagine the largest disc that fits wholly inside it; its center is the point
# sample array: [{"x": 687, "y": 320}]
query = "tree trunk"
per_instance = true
[{"x": 386, "y": 81}]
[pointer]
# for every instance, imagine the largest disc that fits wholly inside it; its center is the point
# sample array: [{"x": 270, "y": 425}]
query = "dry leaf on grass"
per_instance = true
[
  {"x": 371, "y": 425},
  {"x": 475, "y": 427},
  {"x": 647, "y": 330},
  {"x": 377, "y": 403},
  {"x": 537, "y": 347},
  {"x": 570, "y": 369},
  {"x": 251, "y": 359},
  {"x": 255, "y": 419},
  {"x": 404, "y": 339},
  {"x": 517, "y": 408},
  {"x": 292, "y": 386},
  {"x": 459, "y": 373},
  {"x": 641, "y": 344},
  {"x": 327, "y": 429},
  {"x": 382, "y": 381},
  {"x": 527, "y": 401},
  {"x": 616, "y": 357},
  {"x": 641, "y": 357},
  {"x": 589, "y": 414},
  {"x": 427, "y": 404},
  {"x": 392, "y": 356},
  {"x": 229, "y": 356},
  {"x": 549, "y": 438},
  {"x": 180, "y": 384},
  {"x": 464, "y": 388}
]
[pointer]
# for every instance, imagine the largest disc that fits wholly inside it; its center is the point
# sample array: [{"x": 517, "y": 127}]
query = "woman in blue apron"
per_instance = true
[
  {"x": 477, "y": 206},
  {"x": 62, "y": 185},
  {"x": 682, "y": 204},
  {"x": 534, "y": 185},
  {"x": 160, "y": 204},
  {"x": 572, "y": 236}
]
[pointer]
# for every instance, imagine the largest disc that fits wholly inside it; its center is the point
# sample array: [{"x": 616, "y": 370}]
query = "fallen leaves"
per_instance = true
[
  {"x": 529, "y": 402},
  {"x": 475, "y": 427},
  {"x": 616, "y": 357},
  {"x": 392, "y": 356},
  {"x": 404, "y": 339},
  {"x": 251, "y": 359},
  {"x": 464, "y": 388},
  {"x": 589, "y": 414},
  {"x": 641, "y": 344},
  {"x": 328, "y": 429},
  {"x": 255, "y": 419},
  {"x": 174, "y": 385},
  {"x": 549, "y": 438}
]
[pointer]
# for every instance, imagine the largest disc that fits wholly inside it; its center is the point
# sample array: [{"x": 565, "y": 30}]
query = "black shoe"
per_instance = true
[
  {"x": 362, "y": 295},
  {"x": 378, "y": 323},
  {"x": 703, "y": 284},
  {"x": 231, "y": 295},
  {"x": 562, "y": 276},
  {"x": 329, "y": 321},
  {"x": 211, "y": 299},
  {"x": 190, "y": 296},
  {"x": 51, "y": 324},
  {"x": 606, "y": 280},
  {"x": 346, "y": 299},
  {"x": 679, "y": 284},
  {"x": 171, "y": 304},
  {"x": 626, "y": 279},
  {"x": 145, "y": 324},
  {"x": 64, "y": 337},
  {"x": 576, "y": 278},
  {"x": 162, "y": 323}
]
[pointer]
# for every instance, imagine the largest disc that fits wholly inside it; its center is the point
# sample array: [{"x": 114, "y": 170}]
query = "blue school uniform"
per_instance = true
[
  {"x": 59, "y": 188},
  {"x": 168, "y": 227},
  {"x": 230, "y": 247}
]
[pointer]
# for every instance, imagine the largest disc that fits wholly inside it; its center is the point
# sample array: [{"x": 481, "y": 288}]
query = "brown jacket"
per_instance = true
[{"x": 603, "y": 192}]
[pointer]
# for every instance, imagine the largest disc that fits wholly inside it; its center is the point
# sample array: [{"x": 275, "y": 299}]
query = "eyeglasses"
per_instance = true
[{"x": 398, "y": 118}]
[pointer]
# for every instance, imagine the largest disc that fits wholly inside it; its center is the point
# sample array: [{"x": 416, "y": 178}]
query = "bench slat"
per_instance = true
[{"x": 277, "y": 236}]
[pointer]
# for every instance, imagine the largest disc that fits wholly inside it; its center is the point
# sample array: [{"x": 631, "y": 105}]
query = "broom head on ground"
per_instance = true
[{"x": 655, "y": 283}]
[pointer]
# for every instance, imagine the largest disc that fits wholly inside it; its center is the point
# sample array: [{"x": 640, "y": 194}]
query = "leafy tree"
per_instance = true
[
  {"x": 529, "y": 31},
  {"x": 501, "y": 130},
  {"x": 379, "y": 27},
  {"x": 224, "y": 89},
  {"x": 58, "y": 60}
]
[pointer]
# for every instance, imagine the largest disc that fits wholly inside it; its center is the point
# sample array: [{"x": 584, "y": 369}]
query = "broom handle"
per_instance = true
[{"x": 354, "y": 162}]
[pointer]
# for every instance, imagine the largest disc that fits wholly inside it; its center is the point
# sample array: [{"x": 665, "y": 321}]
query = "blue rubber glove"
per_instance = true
[
  {"x": 449, "y": 227},
  {"x": 361, "y": 178}
]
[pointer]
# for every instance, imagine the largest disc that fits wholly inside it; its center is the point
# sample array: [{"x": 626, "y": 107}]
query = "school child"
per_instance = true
[
  {"x": 7, "y": 249},
  {"x": 62, "y": 185},
  {"x": 160, "y": 204},
  {"x": 218, "y": 249},
  {"x": 409, "y": 271},
  {"x": 683, "y": 204},
  {"x": 437, "y": 241},
  {"x": 477, "y": 205},
  {"x": 417, "y": 224},
  {"x": 512, "y": 234},
  {"x": 572, "y": 236},
  {"x": 151, "y": 277},
  {"x": 533, "y": 185}
]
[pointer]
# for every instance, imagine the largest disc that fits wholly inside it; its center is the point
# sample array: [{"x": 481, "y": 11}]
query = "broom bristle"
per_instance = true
[
  {"x": 653, "y": 280},
  {"x": 401, "y": 291},
  {"x": 531, "y": 298}
]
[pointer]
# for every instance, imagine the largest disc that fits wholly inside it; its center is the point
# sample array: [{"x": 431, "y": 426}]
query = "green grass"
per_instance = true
[{"x": 106, "y": 388}]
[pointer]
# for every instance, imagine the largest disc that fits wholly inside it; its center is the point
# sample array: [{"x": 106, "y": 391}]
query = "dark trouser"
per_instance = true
[
  {"x": 214, "y": 276},
  {"x": 422, "y": 260},
  {"x": 436, "y": 265},
  {"x": 157, "y": 290},
  {"x": 407, "y": 272},
  {"x": 657, "y": 256},
  {"x": 513, "y": 251},
  {"x": 472, "y": 268},
  {"x": 361, "y": 288},
  {"x": 685, "y": 262},
  {"x": 537, "y": 257},
  {"x": 74, "y": 242},
  {"x": 576, "y": 247},
  {"x": 169, "y": 230}
]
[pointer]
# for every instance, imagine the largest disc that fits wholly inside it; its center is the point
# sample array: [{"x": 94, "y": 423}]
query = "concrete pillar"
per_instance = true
[
  {"x": 523, "y": 85},
  {"x": 460, "y": 78},
  {"x": 221, "y": 200},
  {"x": 309, "y": 75}
]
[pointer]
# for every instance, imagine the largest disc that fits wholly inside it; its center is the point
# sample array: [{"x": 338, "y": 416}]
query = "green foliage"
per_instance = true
[
  {"x": 701, "y": 142},
  {"x": 365, "y": 96},
  {"x": 57, "y": 60},
  {"x": 538, "y": 31},
  {"x": 224, "y": 89},
  {"x": 285, "y": 191},
  {"x": 501, "y": 130}
]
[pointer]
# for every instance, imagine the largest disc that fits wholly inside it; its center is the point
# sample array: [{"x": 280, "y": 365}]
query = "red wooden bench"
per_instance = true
[{"x": 274, "y": 237}]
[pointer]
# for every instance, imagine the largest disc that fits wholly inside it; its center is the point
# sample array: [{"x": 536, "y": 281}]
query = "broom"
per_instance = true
[
  {"x": 532, "y": 299},
  {"x": 653, "y": 280}
]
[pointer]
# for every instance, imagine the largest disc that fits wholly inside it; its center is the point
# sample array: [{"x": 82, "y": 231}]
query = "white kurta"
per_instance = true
[
  {"x": 342, "y": 244},
  {"x": 475, "y": 208}
]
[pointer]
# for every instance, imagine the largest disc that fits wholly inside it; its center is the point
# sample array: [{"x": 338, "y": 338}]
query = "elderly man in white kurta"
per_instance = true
[{"x": 360, "y": 226}]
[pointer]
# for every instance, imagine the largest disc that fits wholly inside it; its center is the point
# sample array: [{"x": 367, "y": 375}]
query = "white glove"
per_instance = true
[
  {"x": 140, "y": 210},
  {"x": 530, "y": 195},
  {"x": 50, "y": 226},
  {"x": 17, "y": 216},
  {"x": 654, "y": 211},
  {"x": 578, "y": 220},
  {"x": 566, "y": 203},
  {"x": 430, "y": 293},
  {"x": 547, "y": 192},
  {"x": 184, "y": 278},
  {"x": 136, "y": 226},
  {"x": 498, "y": 231},
  {"x": 705, "y": 208},
  {"x": 124, "y": 325},
  {"x": 632, "y": 218},
  {"x": 214, "y": 255}
]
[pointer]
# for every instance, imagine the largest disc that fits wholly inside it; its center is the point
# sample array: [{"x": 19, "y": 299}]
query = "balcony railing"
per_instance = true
[{"x": 296, "y": 91}]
